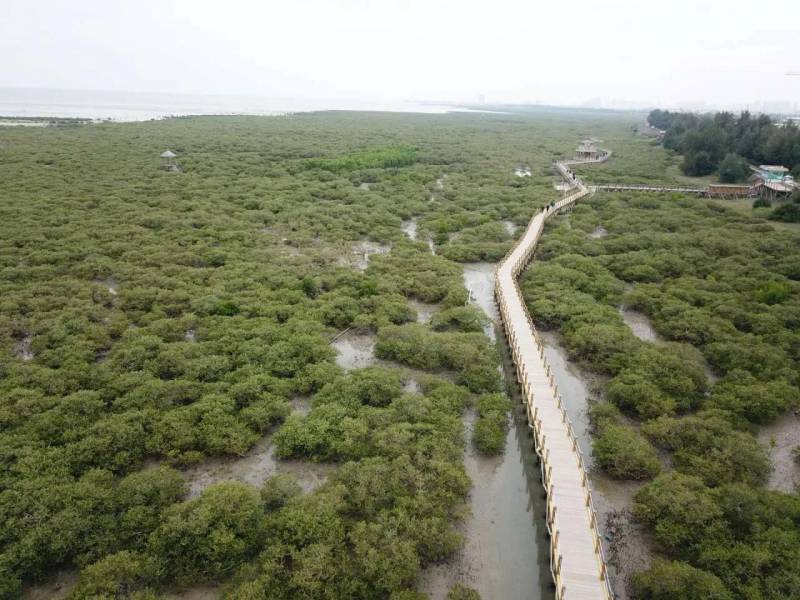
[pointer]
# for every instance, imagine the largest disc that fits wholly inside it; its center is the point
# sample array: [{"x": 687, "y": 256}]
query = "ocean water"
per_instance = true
[{"x": 138, "y": 106}]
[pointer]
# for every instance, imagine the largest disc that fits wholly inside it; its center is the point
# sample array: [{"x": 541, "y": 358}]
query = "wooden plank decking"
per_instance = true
[
  {"x": 621, "y": 187},
  {"x": 576, "y": 554}
]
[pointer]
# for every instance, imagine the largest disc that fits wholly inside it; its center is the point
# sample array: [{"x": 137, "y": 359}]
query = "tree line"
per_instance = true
[{"x": 726, "y": 143}]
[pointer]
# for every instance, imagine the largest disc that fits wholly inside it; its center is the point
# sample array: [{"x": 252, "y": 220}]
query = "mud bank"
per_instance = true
[
  {"x": 599, "y": 232},
  {"x": 355, "y": 350},
  {"x": 409, "y": 227},
  {"x": 424, "y": 310},
  {"x": 254, "y": 468},
  {"x": 780, "y": 439},
  {"x": 202, "y": 592},
  {"x": 479, "y": 281},
  {"x": 639, "y": 324},
  {"x": 56, "y": 587},
  {"x": 22, "y": 348},
  {"x": 360, "y": 254}
]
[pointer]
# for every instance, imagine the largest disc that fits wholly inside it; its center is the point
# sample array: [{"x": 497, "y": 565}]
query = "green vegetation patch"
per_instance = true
[
  {"x": 375, "y": 158},
  {"x": 722, "y": 292},
  {"x": 153, "y": 321}
]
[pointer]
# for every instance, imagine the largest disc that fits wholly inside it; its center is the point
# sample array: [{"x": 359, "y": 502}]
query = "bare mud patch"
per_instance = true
[
  {"x": 626, "y": 544},
  {"x": 780, "y": 439},
  {"x": 202, "y": 592},
  {"x": 111, "y": 284},
  {"x": 57, "y": 586},
  {"x": 409, "y": 227},
  {"x": 479, "y": 281},
  {"x": 438, "y": 186},
  {"x": 424, "y": 310},
  {"x": 639, "y": 324},
  {"x": 355, "y": 350},
  {"x": 522, "y": 171},
  {"x": 258, "y": 464},
  {"x": 362, "y": 252},
  {"x": 22, "y": 348},
  {"x": 599, "y": 232},
  {"x": 301, "y": 404}
]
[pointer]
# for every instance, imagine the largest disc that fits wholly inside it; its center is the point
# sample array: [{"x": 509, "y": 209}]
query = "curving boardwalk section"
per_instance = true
[{"x": 576, "y": 553}]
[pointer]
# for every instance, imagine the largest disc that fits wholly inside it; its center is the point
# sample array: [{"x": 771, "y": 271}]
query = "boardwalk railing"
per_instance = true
[
  {"x": 577, "y": 563},
  {"x": 606, "y": 154},
  {"x": 621, "y": 187}
]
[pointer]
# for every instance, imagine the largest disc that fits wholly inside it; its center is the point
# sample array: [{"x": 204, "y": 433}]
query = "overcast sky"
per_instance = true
[{"x": 717, "y": 51}]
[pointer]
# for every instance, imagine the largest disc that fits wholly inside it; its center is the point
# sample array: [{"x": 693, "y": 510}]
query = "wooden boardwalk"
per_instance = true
[
  {"x": 621, "y": 187},
  {"x": 576, "y": 552}
]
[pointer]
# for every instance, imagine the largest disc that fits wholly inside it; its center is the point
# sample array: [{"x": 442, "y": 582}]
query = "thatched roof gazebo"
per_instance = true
[
  {"x": 587, "y": 150},
  {"x": 169, "y": 157}
]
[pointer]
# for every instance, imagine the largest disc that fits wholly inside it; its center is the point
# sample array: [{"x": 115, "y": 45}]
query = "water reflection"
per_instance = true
[{"x": 506, "y": 554}]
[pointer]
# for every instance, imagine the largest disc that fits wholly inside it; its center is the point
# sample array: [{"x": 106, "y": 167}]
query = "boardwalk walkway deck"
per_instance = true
[
  {"x": 576, "y": 553},
  {"x": 621, "y": 187}
]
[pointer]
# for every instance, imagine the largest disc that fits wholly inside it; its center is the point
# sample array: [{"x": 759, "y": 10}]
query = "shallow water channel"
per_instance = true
[{"x": 506, "y": 550}]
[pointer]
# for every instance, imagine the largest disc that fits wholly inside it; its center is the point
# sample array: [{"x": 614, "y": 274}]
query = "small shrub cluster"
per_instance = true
[
  {"x": 489, "y": 435},
  {"x": 619, "y": 449}
]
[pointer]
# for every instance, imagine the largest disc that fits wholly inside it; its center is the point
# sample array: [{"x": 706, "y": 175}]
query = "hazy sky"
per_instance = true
[{"x": 720, "y": 51}]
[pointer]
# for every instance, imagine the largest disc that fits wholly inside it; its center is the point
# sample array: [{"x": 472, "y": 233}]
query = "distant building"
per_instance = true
[
  {"x": 788, "y": 121},
  {"x": 773, "y": 181}
]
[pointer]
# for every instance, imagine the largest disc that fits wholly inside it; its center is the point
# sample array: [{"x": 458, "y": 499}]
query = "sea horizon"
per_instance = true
[{"x": 144, "y": 106}]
